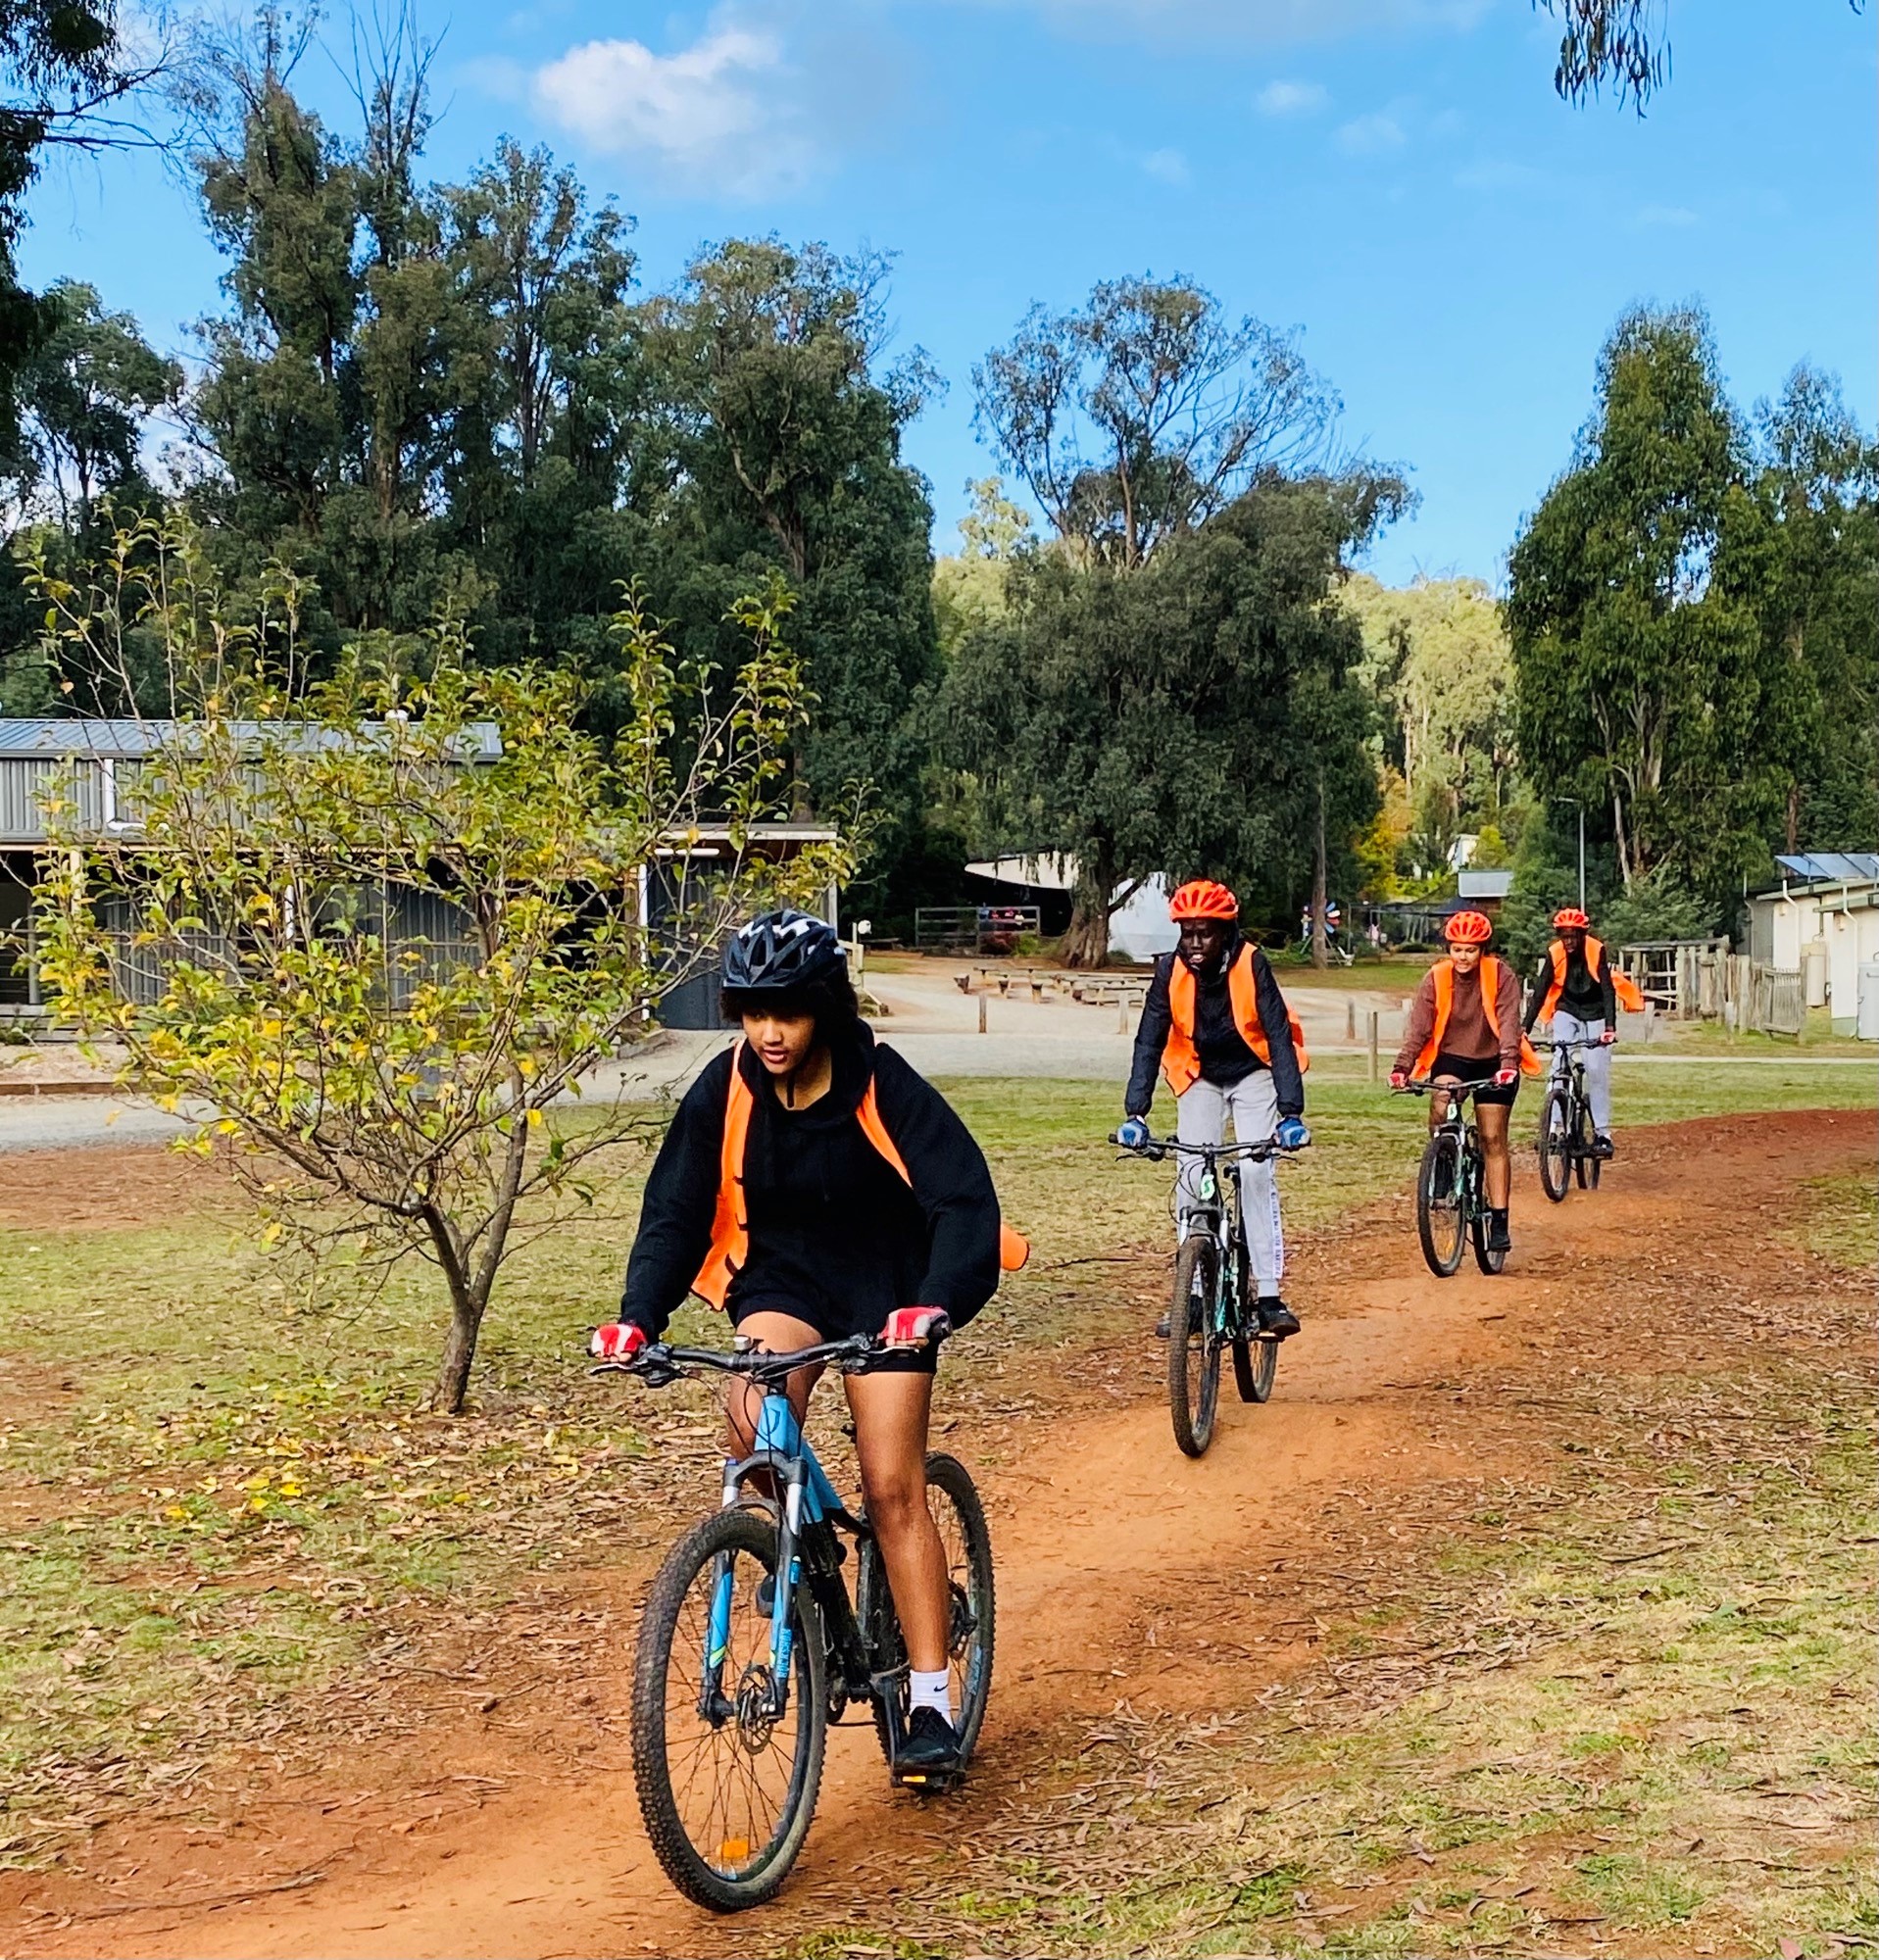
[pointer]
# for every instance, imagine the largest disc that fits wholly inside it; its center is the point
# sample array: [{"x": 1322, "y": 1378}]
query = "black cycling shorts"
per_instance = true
[
  {"x": 921, "y": 1360},
  {"x": 1472, "y": 1068}
]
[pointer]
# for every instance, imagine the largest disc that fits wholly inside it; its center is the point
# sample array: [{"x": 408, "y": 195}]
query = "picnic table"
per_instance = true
[{"x": 1101, "y": 990}]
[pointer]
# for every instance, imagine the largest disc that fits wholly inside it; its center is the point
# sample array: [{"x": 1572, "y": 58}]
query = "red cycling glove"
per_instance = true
[
  {"x": 1399, "y": 1078},
  {"x": 617, "y": 1341},
  {"x": 1608, "y": 1038},
  {"x": 915, "y": 1326},
  {"x": 1507, "y": 1078}
]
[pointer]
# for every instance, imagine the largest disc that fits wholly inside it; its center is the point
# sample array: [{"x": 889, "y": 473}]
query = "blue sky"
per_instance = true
[{"x": 1394, "y": 178}]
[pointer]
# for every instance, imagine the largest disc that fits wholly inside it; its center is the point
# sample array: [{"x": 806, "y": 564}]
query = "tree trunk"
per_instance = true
[
  {"x": 1794, "y": 817},
  {"x": 1624, "y": 853},
  {"x": 1320, "y": 943},
  {"x": 1087, "y": 942},
  {"x": 460, "y": 1351},
  {"x": 467, "y": 1299}
]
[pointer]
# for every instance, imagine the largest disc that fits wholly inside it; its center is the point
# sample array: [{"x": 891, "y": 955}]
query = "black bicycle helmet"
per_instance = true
[{"x": 780, "y": 950}]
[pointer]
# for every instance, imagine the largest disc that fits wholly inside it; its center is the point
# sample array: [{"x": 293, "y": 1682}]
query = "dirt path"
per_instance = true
[{"x": 486, "y": 1841}]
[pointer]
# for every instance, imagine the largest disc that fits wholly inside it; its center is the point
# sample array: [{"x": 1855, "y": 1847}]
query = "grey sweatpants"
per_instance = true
[
  {"x": 1598, "y": 1065},
  {"x": 1201, "y": 1118}
]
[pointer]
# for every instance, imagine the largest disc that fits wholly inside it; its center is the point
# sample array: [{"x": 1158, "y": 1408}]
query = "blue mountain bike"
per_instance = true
[{"x": 736, "y": 1676}]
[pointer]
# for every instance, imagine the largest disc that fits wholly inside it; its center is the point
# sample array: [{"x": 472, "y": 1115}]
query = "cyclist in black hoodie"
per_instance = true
[{"x": 815, "y": 1186}]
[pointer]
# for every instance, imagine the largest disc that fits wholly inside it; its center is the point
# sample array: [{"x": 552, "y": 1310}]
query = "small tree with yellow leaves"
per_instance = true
[{"x": 382, "y": 924}]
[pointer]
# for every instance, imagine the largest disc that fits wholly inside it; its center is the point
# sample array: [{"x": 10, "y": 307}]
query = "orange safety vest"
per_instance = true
[
  {"x": 1180, "y": 1058},
  {"x": 1443, "y": 974},
  {"x": 1622, "y": 984},
  {"x": 730, "y": 1228}
]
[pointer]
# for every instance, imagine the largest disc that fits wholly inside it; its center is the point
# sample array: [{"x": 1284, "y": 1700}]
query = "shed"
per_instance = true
[{"x": 1821, "y": 921}]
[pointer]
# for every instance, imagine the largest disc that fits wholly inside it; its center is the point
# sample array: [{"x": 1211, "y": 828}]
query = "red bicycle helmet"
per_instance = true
[
  {"x": 1468, "y": 929},
  {"x": 1570, "y": 916},
  {"x": 1202, "y": 898}
]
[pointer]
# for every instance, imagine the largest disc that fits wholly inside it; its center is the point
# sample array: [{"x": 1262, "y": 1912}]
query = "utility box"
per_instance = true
[{"x": 1868, "y": 1024}]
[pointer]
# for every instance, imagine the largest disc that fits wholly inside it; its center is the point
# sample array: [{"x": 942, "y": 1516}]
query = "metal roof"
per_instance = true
[
  {"x": 72, "y": 735},
  {"x": 1832, "y": 866}
]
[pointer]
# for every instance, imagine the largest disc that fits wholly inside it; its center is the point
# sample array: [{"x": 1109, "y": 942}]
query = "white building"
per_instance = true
[
  {"x": 1823, "y": 923},
  {"x": 1138, "y": 930}
]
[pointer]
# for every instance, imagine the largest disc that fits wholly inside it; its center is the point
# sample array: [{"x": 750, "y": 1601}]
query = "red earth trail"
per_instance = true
[{"x": 1096, "y": 1526}]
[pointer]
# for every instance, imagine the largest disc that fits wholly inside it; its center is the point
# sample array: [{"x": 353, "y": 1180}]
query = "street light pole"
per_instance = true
[{"x": 1578, "y": 803}]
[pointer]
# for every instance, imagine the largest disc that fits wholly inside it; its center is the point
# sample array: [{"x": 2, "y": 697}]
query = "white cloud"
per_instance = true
[
  {"x": 1257, "y": 21},
  {"x": 1292, "y": 98},
  {"x": 720, "y": 116},
  {"x": 1370, "y": 135},
  {"x": 1672, "y": 215},
  {"x": 1166, "y": 167}
]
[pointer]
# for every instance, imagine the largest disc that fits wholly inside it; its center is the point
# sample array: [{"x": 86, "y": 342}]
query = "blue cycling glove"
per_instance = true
[
  {"x": 1133, "y": 1134},
  {"x": 1293, "y": 1135}
]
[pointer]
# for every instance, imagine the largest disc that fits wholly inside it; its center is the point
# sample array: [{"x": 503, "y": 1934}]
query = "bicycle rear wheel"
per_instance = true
[
  {"x": 1440, "y": 1219},
  {"x": 1254, "y": 1363},
  {"x": 1489, "y": 1261},
  {"x": 727, "y": 1783},
  {"x": 1193, "y": 1346},
  {"x": 959, "y": 1519},
  {"x": 1555, "y": 1143},
  {"x": 1589, "y": 1163}
]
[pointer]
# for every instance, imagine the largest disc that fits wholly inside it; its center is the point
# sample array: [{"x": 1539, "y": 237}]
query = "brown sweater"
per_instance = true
[{"x": 1468, "y": 1034}]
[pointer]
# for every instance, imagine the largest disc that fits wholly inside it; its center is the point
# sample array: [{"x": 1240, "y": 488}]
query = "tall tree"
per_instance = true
[
  {"x": 1642, "y": 681},
  {"x": 1815, "y": 577},
  {"x": 1193, "y": 716},
  {"x": 1436, "y": 657},
  {"x": 782, "y": 420},
  {"x": 83, "y": 395},
  {"x": 327, "y": 407},
  {"x": 1142, "y": 413}
]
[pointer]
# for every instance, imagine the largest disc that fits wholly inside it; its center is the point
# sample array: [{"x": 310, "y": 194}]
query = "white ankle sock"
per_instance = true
[{"x": 930, "y": 1690}]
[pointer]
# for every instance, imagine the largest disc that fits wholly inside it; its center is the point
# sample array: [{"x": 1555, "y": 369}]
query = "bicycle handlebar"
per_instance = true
[
  {"x": 1572, "y": 1047},
  {"x": 1456, "y": 1089},
  {"x": 658, "y": 1364},
  {"x": 1159, "y": 1148}
]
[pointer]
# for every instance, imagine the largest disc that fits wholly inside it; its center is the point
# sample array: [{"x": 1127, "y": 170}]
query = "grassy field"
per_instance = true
[{"x": 215, "y": 1497}]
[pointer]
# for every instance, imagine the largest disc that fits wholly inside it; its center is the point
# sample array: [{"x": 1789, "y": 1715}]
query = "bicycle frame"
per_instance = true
[
  {"x": 807, "y": 1509},
  {"x": 1221, "y": 1207},
  {"x": 1463, "y": 1126}
]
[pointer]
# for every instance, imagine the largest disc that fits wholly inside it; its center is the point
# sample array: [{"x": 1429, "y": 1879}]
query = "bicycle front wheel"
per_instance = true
[
  {"x": 1555, "y": 1143},
  {"x": 1193, "y": 1345},
  {"x": 1441, "y": 1219},
  {"x": 1587, "y": 1166},
  {"x": 728, "y": 1767}
]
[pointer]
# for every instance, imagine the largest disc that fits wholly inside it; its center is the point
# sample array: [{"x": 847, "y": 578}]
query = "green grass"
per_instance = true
[
  {"x": 235, "y": 1499},
  {"x": 1441, "y": 1789},
  {"x": 1839, "y": 1222}
]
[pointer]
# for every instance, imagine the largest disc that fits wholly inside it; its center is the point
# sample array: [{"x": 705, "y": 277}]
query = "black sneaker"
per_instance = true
[
  {"x": 1500, "y": 1239},
  {"x": 929, "y": 1747},
  {"x": 1604, "y": 1147},
  {"x": 1277, "y": 1319},
  {"x": 1165, "y": 1327}
]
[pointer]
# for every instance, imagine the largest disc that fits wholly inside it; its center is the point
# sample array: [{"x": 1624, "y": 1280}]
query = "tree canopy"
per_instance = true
[
  {"x": 1145, "y": 411},
  {"x": 1184, "y": 717}
]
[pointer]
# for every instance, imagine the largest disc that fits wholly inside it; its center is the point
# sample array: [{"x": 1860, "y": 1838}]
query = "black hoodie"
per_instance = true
[{"x": 835, "y": 1233}]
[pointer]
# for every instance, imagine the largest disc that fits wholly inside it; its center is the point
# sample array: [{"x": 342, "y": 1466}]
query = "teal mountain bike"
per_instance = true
[{"x": 1214, "y": 1310}]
